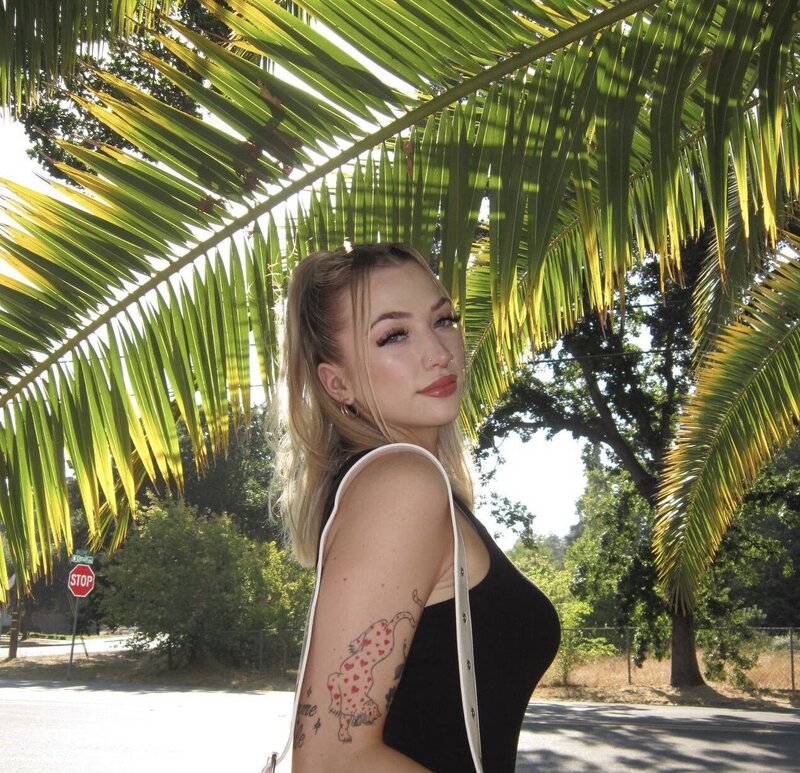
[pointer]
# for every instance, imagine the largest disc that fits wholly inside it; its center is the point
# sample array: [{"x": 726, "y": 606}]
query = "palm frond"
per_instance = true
[
  {"x": 44, "y": 39},
  {"x": 402, "y": 120},
  {"x": 745, "y": 407}
]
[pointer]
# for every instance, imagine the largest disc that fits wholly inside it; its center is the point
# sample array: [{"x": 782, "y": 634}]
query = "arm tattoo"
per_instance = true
[
  {"x": 299, "y": 734},
  {"x": 398, "y": 672},
  {"x": 350, "y": 686},
  {"x": 306, "y": 709}
]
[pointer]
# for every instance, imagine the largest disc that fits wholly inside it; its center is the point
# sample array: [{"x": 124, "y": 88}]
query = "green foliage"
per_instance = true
[
  {"x": 576, "y": 646},
  {"x": 193, "y": 586},
  {"x": 612, "y": 562},
  {"x": 732, "y": 647},
  {"x": 235, "y": 482},
  {"x": 754, "y": 579},
  {"x": 615, "y": 381},
  {"x": 759, "y": 559},
  {"x": 55, "y": 116},
  {"x": 513, "y": 516},
  {"x": 51, "y": 595}
]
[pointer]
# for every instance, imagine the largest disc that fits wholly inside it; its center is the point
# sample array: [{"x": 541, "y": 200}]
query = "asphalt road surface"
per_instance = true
[
  {"x": 55, "y": 728},
  {"x": 593, "y": 737},
  {"x": 84, "y": 646}
]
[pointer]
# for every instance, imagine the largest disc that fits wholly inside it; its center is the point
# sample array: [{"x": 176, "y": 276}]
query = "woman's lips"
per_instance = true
[{"x": 442, "y": 387}]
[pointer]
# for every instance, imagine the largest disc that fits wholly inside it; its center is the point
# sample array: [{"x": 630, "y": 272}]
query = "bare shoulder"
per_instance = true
[
  {"x": 402, "y": 480},
  {"x": 404, "y": 469},
  {"x": 394, "y": 492}
]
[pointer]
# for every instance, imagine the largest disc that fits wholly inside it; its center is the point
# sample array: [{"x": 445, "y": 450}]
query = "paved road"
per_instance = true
[
  {"x": 53, "y": 728},
  {"x": 591, "y": 737},
  {"x": 38, "y": 648}
]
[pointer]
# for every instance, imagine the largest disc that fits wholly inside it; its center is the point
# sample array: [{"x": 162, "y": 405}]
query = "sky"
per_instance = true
[
  {"x": 16, "y": 165},
  {"x": 545, "y": 475}
]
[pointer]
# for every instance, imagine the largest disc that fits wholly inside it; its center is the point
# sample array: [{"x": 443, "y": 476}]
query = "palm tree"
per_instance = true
[{"x": 536, "y": 150}]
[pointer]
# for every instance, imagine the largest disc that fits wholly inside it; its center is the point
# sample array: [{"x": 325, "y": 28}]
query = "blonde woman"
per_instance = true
[{"x": 374, "y": 358}]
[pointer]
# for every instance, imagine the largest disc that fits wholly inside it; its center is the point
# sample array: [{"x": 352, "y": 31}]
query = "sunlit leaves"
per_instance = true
[
  {"x": 43, "y": 39},
  {"x": 746, "y": 404},
  {"x": 534, "y": 150}
]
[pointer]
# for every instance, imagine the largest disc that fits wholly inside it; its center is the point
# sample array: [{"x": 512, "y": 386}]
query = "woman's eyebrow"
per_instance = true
[
  {"x": 389, "y": 315},
  {"x": 404, "y": 314}
]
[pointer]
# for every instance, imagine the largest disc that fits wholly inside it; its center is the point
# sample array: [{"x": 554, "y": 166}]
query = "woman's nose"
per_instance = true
[{"x": 440, "y": 357}]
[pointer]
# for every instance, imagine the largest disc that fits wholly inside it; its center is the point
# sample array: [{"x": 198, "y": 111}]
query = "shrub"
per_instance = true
[{"x": 193, "y": 587}]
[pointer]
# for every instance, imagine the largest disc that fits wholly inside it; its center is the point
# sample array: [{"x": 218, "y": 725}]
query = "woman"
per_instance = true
[{"x": 374, "y": 355}]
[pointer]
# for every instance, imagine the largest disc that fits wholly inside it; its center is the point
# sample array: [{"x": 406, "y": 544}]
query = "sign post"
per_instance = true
[{"x": 80, "y": 582}]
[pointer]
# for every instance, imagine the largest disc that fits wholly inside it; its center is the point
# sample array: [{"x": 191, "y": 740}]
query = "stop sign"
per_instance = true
[{"x": 81, "y": 580}]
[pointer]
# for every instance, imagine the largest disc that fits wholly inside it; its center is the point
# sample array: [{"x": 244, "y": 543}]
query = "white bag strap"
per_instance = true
[{"x": 466, "y": 658}]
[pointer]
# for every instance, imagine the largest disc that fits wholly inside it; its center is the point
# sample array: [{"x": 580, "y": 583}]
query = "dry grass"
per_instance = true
[
  {"x": 599, "y": 682},
  {"x": 715, "y": 694},
  {"x": 606, "y": 681},
  {"x": 773, "y": 670},
  {"x": 143, "y": 669}
]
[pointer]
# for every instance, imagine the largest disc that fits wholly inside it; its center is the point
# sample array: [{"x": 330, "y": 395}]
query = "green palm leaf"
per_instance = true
[
  {"x": 41, "y": 40},
  {"x": 529, "y": 126},
  {"x": 746, "y": 405}
]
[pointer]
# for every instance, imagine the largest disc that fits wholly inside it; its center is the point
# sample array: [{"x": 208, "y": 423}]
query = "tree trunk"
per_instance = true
[
  {"x": 13, "y": 632},
  {"x": 26, "y": 618},
  {"x": 685, "y": 671}
]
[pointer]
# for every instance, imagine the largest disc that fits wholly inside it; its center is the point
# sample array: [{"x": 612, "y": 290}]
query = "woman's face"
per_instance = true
[{"x": 414, "y": 356}]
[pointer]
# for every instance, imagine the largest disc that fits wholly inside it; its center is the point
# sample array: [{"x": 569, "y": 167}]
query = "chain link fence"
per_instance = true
[
  {"x": 767, "y": 658},
  {"x": 267, "y": 649}
]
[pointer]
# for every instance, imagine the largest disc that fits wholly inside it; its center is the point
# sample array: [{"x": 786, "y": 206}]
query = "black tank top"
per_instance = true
[{"x": 516, "y": 633}]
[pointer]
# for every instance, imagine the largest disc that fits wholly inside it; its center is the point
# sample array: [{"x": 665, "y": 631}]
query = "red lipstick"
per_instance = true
[{"x": 442, "y": 387}]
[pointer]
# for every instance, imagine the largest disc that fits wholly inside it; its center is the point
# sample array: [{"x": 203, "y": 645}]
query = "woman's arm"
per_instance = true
[{"x": 390, "y": 544}]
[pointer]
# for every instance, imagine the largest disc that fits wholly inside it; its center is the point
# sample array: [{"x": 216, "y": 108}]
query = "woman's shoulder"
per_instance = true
[
  {"x": 397, "y": 466},
  {"x": 401, "y": 485}
]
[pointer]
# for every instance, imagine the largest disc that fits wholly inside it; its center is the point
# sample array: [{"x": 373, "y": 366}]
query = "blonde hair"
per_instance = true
[{"x": 319, "y": 435}]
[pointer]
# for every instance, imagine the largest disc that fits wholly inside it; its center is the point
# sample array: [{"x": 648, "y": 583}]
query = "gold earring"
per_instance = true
[{"x": 345, "y": 409}]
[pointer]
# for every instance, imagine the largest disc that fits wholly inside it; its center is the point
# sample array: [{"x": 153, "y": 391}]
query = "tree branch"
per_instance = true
[{"x": 645, "y": 482}]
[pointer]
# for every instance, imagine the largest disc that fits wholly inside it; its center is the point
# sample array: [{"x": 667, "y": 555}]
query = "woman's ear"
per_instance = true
[{"x": 334, "y": 382}]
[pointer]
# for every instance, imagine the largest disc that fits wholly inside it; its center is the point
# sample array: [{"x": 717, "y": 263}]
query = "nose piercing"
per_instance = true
[{"x": 433, "y": 358}]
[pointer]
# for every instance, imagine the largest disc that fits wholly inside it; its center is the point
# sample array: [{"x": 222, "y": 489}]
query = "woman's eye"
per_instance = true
[
  {"x": 392, "y": 337},
  {"x": 449, "y": 320}
]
